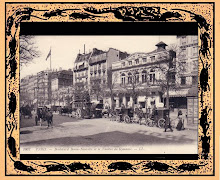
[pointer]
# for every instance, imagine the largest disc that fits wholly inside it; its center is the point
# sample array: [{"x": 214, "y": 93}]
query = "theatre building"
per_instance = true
[{"x": 140, "y": 75}]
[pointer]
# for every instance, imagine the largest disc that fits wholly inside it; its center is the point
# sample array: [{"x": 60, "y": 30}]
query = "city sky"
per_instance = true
[{"x": 64, "y": 49}]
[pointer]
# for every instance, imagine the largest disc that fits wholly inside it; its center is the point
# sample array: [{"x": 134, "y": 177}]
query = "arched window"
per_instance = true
[
  {"x": 152, "y": 76},
  {"x": 123, "y": 78},
  {"x": 137, "y": 77},
  {"x": 129, "y": 78},
  {"x": 144, "y": 76}
]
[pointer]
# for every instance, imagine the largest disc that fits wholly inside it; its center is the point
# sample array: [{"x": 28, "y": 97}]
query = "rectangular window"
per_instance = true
[
  {"x": 195, "y": 51},
  {"x": 195, "y": 65},
  {"x": 123, "y": 64},
  {"x": 144, "y": 59},
  {"x": 152, "y": 58},
  {"x": 183, "y": 40},
  {"x": 183, "y": 52},
  {"x": 183, "y": 66},
  {"x": 194, "y": 80},
  {"x": 172, "y": 78},
  {"x": 152, "y": 78},
  {"x": 130, "y": 63},
  {"x": 183, "y": 80},
  {"x": 137, "y": 61}
]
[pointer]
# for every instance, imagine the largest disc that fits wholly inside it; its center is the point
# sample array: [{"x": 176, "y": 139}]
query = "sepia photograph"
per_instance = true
[{"x": 108, "y": 94}]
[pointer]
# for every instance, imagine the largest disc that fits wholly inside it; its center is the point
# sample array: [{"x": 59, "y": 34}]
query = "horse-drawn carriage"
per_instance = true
[
  {"x": 25, "y": 111},
  {"x": 89, "y": 110},
  {"x": 44, "y": 114},
  {"x": 128, "y": 115},
  {"x": 65, "y": 110},
  {"x": 158, "y": 117}
]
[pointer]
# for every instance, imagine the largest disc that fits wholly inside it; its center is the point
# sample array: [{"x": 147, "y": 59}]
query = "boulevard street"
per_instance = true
[{"x": 68, "y": 131}]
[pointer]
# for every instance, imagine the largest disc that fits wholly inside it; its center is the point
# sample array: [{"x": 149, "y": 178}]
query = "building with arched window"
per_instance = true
[
  {"x": 140, "y": 76},
  {"x": 147, "y": 77}
]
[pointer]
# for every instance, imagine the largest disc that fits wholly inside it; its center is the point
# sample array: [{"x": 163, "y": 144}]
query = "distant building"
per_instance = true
[
  {"x": 100, "y": 63},
  {"x": 44, "y": 88},
  {"x": 28, "y": 90},
  {"x": 62, "y": 79},
  {"x": 80, "y": 79},
  {"x": 90, "y": 73},
  {"x": 80, "y": 71},
  {"x": 187, "y": 55}
]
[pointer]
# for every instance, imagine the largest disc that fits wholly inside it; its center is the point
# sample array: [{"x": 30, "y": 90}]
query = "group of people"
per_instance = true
[
  {"x": 153, "y": 112},
  {"x": 180, "y": 123}
]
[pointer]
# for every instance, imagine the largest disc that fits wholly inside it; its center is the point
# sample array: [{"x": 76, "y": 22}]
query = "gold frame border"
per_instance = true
[{"x": 204, "y": 164}]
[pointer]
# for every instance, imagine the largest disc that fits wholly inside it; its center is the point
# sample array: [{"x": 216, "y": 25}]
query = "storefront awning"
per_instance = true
[{"x": 177, "y": 93}]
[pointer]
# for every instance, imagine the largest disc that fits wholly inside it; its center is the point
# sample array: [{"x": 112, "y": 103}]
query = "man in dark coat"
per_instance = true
[{"x": 167, "y": 123}]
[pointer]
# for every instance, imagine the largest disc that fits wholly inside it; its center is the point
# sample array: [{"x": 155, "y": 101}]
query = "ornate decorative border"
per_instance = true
[{"x": 202, "y": 13}]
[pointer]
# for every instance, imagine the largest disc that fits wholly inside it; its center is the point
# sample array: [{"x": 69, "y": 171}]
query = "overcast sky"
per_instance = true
[{"x": 66, "y": 48}]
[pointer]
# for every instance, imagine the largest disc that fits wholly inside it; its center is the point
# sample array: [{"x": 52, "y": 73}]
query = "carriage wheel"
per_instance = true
[
  {"x": 136, "y": 119},
  {"x": 150, "y": 123},
  {"x": 127, "y": 119},
  {"x": 117, "y": 118},
  {"x": 113, "y": 116},
  {"x": 161, "y": 123},
  {"x": 78, "y": 113}
]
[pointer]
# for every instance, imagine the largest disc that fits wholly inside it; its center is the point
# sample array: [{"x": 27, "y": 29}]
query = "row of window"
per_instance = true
[
  {"x": 98, "y": 66},
  {"x": 134, "y": 78},
  {"x": 194, "y": 80},
  {"x": 144, "y": 60},
  {"x": 187, "y": 39},
  {"x": 82, "y": 73},
  {"x": 193, "y": 66},
  {"x": 137, "y": 61},
  {"x": 97, "y": 73},
  {"x": 191, "y": 51}
]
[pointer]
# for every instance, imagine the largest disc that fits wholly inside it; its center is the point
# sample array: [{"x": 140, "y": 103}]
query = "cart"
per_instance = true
[
  {"x": 158, "y": 117},
  {"x": 123, "y": 114},
  {"x": 89, "y": 110}
]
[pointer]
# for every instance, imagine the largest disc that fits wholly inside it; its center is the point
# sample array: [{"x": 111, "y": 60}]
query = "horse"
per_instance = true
[{"x": 45, "y": 114}]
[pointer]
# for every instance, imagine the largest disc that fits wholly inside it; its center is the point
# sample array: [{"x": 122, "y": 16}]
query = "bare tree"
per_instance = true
[
  {"x": 81, "y": 95},
  {"x": 132, "y": 87},
  {"x": 111, "y": 82},
  {"x": 28, "y": 49},
  {"x": 96, "y": 88},
  {"x": 169, "y": 73}
]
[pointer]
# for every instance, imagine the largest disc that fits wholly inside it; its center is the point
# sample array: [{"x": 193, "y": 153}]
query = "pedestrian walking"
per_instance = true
[
  {"x": 180, "y": 125},
  {"x": 167, "y": 123}
]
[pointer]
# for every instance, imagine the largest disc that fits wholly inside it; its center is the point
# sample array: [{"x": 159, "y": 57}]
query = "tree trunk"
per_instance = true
[
  {"x": 133, "y": 98},
  {"x": 112, "y": 98},
  {"x": 167, "y": 98}
]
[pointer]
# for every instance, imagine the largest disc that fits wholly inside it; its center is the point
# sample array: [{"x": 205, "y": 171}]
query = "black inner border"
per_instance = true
[{"x": 109, "y": 28}]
